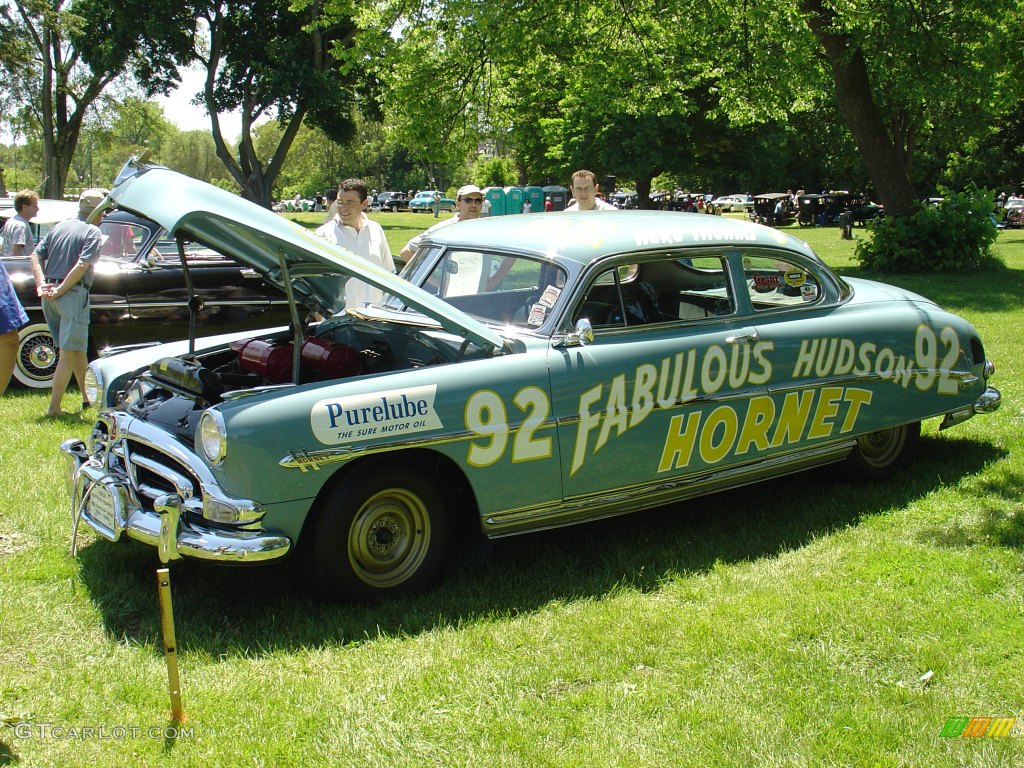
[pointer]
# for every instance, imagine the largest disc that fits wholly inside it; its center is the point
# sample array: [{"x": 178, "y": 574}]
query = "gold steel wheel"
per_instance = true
[
  {"x": 381, "y": 530},
  {"x": 389, "y": 538},
  {"x": 877, "y": 454}
]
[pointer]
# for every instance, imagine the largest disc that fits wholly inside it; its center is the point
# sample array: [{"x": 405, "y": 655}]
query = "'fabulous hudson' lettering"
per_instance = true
[{"x": 373, "y": 415}]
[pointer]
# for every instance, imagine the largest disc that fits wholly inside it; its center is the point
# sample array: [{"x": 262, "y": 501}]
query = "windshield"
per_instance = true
[{"x": 494, "y": 287}]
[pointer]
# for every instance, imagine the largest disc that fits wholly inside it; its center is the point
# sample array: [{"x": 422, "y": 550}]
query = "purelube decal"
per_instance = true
[{"x": 374, "y": 415}]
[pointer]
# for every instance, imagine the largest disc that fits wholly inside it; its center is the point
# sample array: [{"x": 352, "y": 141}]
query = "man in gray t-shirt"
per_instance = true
[
  {"x": 17, "y": 232},
  {"x": 62, "y": 265}
]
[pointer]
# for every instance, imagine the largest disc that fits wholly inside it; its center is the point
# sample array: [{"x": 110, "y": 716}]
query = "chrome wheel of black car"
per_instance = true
[
  {"x": 877, "y": 454},
  {"x": 380, "y": 533},
  {"x": 37, "y": 357}
]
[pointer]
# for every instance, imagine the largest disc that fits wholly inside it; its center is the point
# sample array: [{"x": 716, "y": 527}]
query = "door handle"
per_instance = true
[{"x": 741, "y": 337}]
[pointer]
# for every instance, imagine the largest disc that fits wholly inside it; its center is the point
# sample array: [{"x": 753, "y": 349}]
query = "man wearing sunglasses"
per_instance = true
[{"x": 468, "y": 205}]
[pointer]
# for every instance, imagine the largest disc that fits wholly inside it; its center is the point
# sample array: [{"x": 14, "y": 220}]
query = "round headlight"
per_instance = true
[
  {"x": 211, "y": 437},
  {"x": 93, "y": 386}
]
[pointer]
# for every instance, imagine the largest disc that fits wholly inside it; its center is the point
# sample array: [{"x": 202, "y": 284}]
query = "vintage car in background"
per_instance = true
[
  {"x": 390, "y": 201},
  {"x": 145, "y": 293},
  {"x": 423, "y": 202},
  {"x": 826, "y": 210},
  {"x": 768, "y": 211},
  {"x": 732, "y": 203},
  {"x": 528, "y": 372}
]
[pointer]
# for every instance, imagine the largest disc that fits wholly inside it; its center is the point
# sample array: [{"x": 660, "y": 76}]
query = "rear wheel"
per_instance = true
[
  {"x": 380, "y": 533},
  {"x": 878, "y": 454},
  {"x": 37, "y": 357}
]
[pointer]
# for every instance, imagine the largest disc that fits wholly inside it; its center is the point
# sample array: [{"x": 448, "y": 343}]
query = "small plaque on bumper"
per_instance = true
[{"x": 102, "y": 509}]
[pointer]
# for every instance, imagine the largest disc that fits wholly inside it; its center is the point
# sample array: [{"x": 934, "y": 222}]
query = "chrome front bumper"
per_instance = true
[{"x": 109, "y": 505}]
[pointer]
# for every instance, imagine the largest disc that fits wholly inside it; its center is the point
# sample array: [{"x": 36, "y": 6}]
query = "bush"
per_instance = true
[{"x": 955, "y": 235}]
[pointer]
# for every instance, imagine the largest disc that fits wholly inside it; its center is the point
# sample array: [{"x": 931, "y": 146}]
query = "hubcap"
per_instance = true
[
  {"x": 880, "y": 449},
  {"x": 389, "y": 538},
  {"x": 37, "y": 358}
]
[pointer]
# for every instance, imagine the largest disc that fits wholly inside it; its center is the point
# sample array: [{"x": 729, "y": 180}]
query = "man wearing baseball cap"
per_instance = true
[
  {"x": 468, "y": 204},
  {"x": 62, "y": 265}
]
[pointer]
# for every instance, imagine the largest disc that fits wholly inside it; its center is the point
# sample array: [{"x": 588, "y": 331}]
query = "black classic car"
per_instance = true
[
  {"x": 391, "y": 201},
  {"x": 824, "y": 210},
  {"x": 147, "y": 291}
]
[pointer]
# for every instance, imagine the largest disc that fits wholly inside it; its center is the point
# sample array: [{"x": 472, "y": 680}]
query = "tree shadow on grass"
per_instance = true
[
  {"x": 997, "y": 520},
  {"x": 7, "y": 755},
  {"x": 224, "y": 611}
]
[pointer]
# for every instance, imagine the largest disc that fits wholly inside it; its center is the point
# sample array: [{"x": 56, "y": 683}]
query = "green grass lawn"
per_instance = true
[{"x": 788, "y": 623}]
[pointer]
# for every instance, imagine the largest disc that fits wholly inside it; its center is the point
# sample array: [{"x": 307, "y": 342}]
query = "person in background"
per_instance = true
[
  {"x": 118, "y": 239},
  {"x": 17, "y": 232},
  {"x": 468, "y": 205},
  {"x": 351, "y": 229},
  {"x": 331, "y": 200},
  {"x": 584, "y": 191},
  {"x": 18, "y": 241},
  {"x": 62, "y": 265},
  {"x": 436, "y": 204},
  {"x": 549, "y": 205},
  {"x": 527, "y": 206}
]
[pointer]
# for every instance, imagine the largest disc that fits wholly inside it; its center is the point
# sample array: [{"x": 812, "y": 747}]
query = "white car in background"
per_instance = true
[{"x": 729, "y": 203}]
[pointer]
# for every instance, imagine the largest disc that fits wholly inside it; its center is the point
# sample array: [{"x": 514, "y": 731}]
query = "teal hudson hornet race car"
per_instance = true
[{"x": 532, "y": 371}]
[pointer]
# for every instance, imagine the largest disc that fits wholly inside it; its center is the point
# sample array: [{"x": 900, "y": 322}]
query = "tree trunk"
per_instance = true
[
  {"x": 886, "y": 163},
  {"x": 643, "y": 191}
]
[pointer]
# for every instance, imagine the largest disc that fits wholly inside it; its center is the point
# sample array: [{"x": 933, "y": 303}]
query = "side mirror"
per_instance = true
[{"x": 583, "y": 335}]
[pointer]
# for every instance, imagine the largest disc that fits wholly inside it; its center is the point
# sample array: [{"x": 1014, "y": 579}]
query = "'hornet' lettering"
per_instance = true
[
  {"x": 679, "y": 378},
  {"x": 805, "y": 415},
  {"x": 374, "y": 415}
]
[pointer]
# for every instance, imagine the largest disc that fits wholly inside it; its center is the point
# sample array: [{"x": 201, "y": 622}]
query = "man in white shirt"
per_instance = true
[
  {"x": 351, "y": 229},
  {"x": 468, "y": 205},
  {"x": 584, "y": 190}
]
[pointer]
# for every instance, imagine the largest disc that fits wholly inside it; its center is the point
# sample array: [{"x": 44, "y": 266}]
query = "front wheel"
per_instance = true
[
  {"x": 878, "y": 454},
  {"x": 37, "y": 357},
  {"x": 380, "y": 533}
]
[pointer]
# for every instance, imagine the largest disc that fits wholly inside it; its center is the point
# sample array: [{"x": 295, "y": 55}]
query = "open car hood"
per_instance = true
[{"x": 275, "y": 247}]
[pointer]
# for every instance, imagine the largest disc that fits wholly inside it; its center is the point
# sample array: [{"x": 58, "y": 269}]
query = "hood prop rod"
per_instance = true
[{"x": 195, "y": 303}]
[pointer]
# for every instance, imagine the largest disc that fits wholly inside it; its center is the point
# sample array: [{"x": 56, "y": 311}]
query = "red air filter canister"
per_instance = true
[
  {"x": 334, "y": 360},
  {"x": 272, "y": 362}
]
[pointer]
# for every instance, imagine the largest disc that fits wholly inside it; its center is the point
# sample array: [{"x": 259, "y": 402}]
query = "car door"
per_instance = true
[
  {"x": 233, "y": 298},
  {"x": 839, "y": 371},
  {"x": 662, "y": 390}
]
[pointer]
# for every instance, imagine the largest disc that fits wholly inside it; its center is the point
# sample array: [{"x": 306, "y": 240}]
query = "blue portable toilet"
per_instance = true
[
  {"x": 559, "y": 196},
  {"x": 536, "y": 197},
  {"x": 514, "y": 199},
  {"x": 496, "y": 197}
]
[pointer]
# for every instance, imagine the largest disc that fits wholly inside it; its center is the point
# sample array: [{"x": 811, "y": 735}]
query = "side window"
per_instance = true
[
  {"x": 706, "y": 290},
  {"x": 120, "y": 241},
  {"x": 499, "y": 287},
  {"x": 669, "y": 289},
  {"x": 772, "y": 283}
]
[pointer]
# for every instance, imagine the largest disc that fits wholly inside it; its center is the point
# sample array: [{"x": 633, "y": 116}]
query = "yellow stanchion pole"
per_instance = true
[{"x": 163, "y": 581}]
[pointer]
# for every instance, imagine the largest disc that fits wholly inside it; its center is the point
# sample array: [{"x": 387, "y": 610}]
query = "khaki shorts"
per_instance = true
[{"x": 68, "y": 319}]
